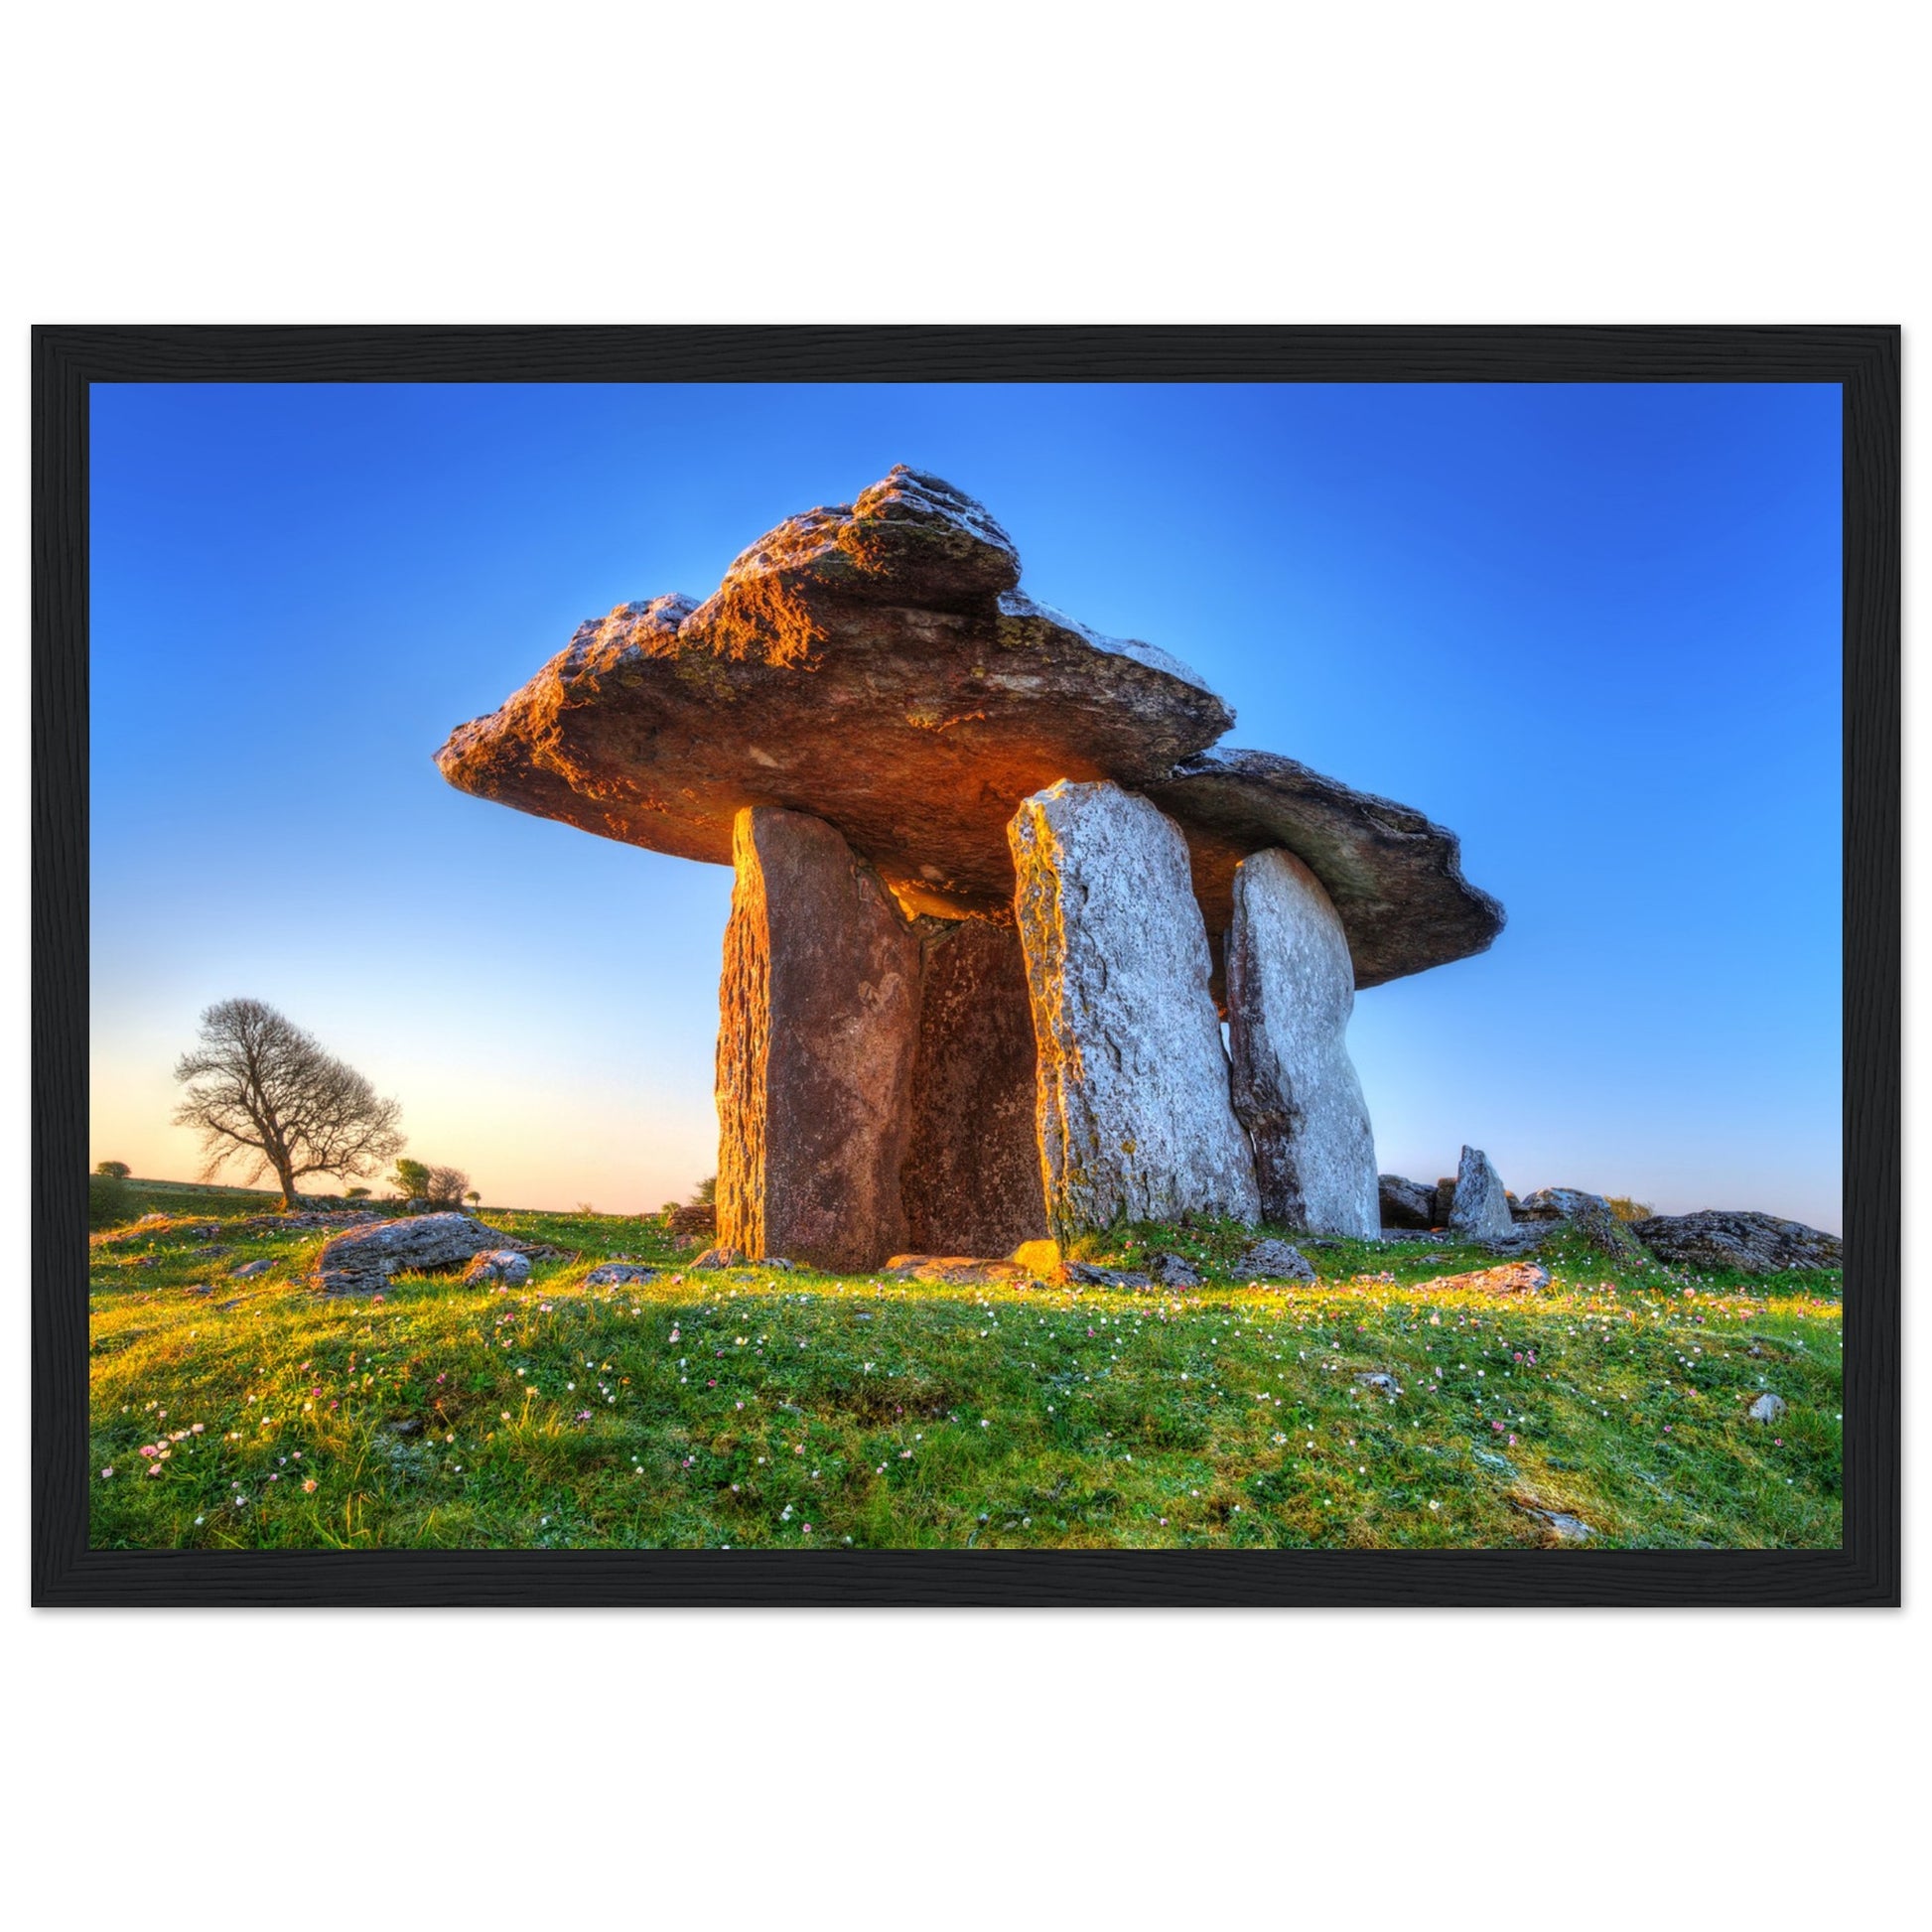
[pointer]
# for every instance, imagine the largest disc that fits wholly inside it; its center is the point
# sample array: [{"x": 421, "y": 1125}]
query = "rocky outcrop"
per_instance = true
[
  {"x": 1406, "y": 1204},
  {"x": 971, "y": 1182},
  {"x": 818, "y": 1025},
  {"x": 872, "y": 664},
  {"x": 1590, "y": 1215},
  {"x": 1290, "y": 993},
  {"x": 1718, "y": 1240},
  {"x": 1394, "y": 877},
  {"x": 1134, "y": 1117},
  {"x": 618, "y": 1274},
  {"x": 363, "y": 1260},
  {"x": 1478, "y": 1210},
  {"x": 1559, "y": 1204}
]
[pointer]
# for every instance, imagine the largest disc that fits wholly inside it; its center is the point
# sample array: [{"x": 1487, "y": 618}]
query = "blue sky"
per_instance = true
[{"x": 1595, "y": 629}]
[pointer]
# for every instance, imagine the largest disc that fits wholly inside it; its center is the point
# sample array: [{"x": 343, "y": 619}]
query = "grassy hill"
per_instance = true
[{"x": 765, "y": 1408}]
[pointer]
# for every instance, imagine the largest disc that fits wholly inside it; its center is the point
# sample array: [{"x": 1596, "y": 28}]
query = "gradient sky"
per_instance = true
[{"x": 1595, "y": 629}]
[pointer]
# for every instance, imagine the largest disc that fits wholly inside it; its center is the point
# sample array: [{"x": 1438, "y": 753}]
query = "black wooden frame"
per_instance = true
[{"x": 1864, "y": 359}]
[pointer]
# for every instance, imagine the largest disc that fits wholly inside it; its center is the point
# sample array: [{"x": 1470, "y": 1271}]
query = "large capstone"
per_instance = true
[
  {"x": 1134, "y": 1115},
  {"x": 873, "y": 664},
  {"x": 818, "y": 1026},
  {"x": 971, "y": 1182},
  {"x": 1394, "y": 877},
  {"x": 1291, "y": 989},
  {"x": 1480, "y": 1208}
]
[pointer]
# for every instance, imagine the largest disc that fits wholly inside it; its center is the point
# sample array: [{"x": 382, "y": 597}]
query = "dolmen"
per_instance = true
[{"x": 1016, "y": 949}]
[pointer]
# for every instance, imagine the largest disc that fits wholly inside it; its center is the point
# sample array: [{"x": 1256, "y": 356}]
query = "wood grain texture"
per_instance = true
[{"x": 1865, "y": 1571}]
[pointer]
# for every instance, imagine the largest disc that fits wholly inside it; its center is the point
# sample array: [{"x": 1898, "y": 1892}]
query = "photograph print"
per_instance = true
[{"x": 971, "y": 967}]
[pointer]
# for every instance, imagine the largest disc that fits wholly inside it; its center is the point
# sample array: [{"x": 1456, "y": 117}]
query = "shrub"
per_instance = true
[
  {"x": 110, "y": 1200},
  {"x": 1627, "y": 1209}
]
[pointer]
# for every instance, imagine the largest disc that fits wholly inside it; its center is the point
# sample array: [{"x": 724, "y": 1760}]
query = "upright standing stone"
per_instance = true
[
  {"x": 1480, "y": 1208},
  {"x": 1291, "y": 989},
  {"x": 1134, "y": 1116},
  {"x": 971, "y": 1180},
  {"x": 818, "y": 1025}
]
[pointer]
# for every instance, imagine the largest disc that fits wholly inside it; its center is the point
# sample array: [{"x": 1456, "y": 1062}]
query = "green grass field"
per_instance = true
[{"x": 763, "y": 1408}]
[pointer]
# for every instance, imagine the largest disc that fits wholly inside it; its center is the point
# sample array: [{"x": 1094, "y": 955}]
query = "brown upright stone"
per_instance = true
[
  {"x": 971, "y": 1183},
  {"x": 818, "y": 1028}
]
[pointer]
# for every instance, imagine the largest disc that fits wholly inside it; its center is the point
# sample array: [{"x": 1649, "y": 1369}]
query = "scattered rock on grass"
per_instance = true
[
  {"x": 1560, "y": 1522},
  {"x": 499, "y": 1265},
  {"x": 361, "y": 1261},
  {"x": 1272, "y": 1260},
  {"x": 1381, "y": 1381},
  {"x": 618, "y": 1274},
  {"x": 252, "y": 1268},
  {"x": 1515, "y": 1278},
  {"x": 954, "y": 1271},
  {"x": 1768, "y": 1408},
  {"x": 720, "y": 1257},
  {"x": 1174, "y": 1270},
  {"x": 1092, "y": 1275}
]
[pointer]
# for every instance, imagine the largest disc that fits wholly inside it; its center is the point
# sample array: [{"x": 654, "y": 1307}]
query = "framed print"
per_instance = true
[{"x": 1034, "y": 965}]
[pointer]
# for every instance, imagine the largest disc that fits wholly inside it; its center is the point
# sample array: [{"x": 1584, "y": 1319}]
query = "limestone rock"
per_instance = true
[
  {"x": 970, "y": 1182},
  {"x": 954, "y": 1271},
  {"x": 1752, "y": 1244},
  {"x": 1444, "y": 1200},
  {"x": 693, "y": 1217},
  {"x": 1406, "y": 1204},
  {"x": 1560, "y": 1203},
  {"x": 1174, "y": 1270},
  {"x": 1090, "y": 1274},
  {"x": 1394, "y": 877},
  {"x": 1272, "y": 1260},
  {"x": 1134, "y": 1116},
  {"x": 1561, "y": 1524},
  {"x": 720, "y": 1257},
  {"x": 1478, "y": 1209},
  {"x": 361, "y": 1261},
  {"x": 618, "y": 1274},
  {"x": 499, "y": 1265},
  {"x": 872, "y": 664},
  {"x": 1768, "y": 1408},
  {"x": 249, "y": 1268},
  {"x": 1290, "y": 993},
  {"x": 1515, "y": 1278},
  {"x": 1590, "y": 1215},
  {"x": 1381, "y": 1381},
  {"x": 818, "y": 1024}
]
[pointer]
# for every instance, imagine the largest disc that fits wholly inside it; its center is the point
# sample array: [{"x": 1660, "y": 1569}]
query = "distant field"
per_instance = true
[{"x": 760, "y": 1408}]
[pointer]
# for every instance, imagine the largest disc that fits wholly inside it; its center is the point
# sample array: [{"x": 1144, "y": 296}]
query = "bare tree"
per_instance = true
[
  {"x": 262, "y": 1091},
  {"x": 445, "y": 1187}
]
